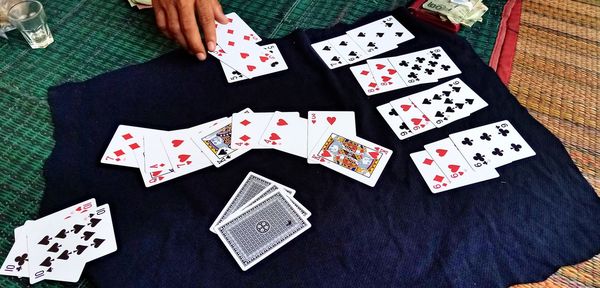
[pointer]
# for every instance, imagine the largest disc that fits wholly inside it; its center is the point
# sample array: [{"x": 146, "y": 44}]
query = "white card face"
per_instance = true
[
  {"x": 251, "y": 186},
  {"x": 243, "y": 28},
  {"x": 279, "y": 64},
  {"x": 98, "y": 235},
  {"x": 321, "y": 121},
  {"x": 449, "y": 159},
  {"x": 354, "y": 157},
  {"x": 155, "y": 157},
  {"x": 380, "y": 36},
  {"x": 16, "y": 262},
  {"x": 262, "y": 229},
  {"x": 246, "y": 57},
  {"x": 437, "y": 181},
  {"x": 492, "y": 145},
  {"x": 286, "y": 132},
  {"x": 392, "y": 118},
  {"x": 443, "y": 104},
  {"x": 414, "y": 118},
  {"x": 331, "y": 57},
  {"x": 413, "y": 69},
  {"x": 385, "y": 74},
  {"x": 440, "y": 62},
  {"x": 397, "y": 33},
  {"x": 234, "y": 34},
  {"x": 365, "y": 79},
  {"x": 215, "y": 143},
  {"x": 120, "y": 149},
  {"x": 247, "y": 128},
  {"x": 346, "y": 47},
  {"x": 183, "y": 154}
]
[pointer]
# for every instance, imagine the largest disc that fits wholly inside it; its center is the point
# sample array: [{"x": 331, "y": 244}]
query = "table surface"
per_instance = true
[{"x": 94, "y": 37}]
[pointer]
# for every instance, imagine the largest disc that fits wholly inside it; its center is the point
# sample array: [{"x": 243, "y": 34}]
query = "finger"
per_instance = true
[
  {"x": 218, "y": 13},
  {"x": 173, "y": 26},
  {"x": 207, "y": 22},
  {"x": 189, "y": 29},
  {"x": 161, "y": 21}
]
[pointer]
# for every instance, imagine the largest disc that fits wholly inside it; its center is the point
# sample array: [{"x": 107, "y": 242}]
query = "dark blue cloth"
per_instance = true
[{"x": 539, "y": 215}]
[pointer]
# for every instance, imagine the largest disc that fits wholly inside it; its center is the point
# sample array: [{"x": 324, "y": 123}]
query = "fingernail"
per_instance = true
[
  {"x": 211, "y": 46},
  {"x": 201, "y": 56}
]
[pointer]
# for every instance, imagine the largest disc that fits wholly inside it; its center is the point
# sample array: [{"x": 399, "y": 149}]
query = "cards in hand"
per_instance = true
[
  {"x": 470, "y": 156},
  {"x": 436, "y": 107},
  {"x": 261, "y": 217},
  {"x": 388, "y": 74},
  {"x": 363, "y": 42},
  {"x": 58, "y": 246}
]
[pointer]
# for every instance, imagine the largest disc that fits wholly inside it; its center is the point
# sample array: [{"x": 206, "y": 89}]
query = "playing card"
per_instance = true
[
  {"x": 414, "y": 118},
  {"x": 156, "y": 159},
  {"x": 331, "y": 57},
  {"x": 440, "y": 62},
  {"x": 436, "y": 179},
  {"x": 413, "y": 68},
  {"x": 346, "y": 47},
  {"x": 183, "y": 154},
  {"x": 447, "y": 102},
  {"x": 97, "y": 238},
  {"x": 121, "y": 146},
  {"x": 449, "y": 159},
  {"x": 286, "y": 132},
  {"x": 392, "y": 118},
  {"x": 238, "y": 23},
  {"x": 17, "y": 260},
  {"x": 233, "y": 75},
  {"x": 215, "y": 143},
  {"x": 354, "y": 157},
  {"x": 396, "y": 32},
  {"x": 385, "y": 74},
  {"x": 251, "y": 186},
  {"x": 270, "y": 189},
  {"x": 374, "y": 38},
  {"x": 492, "y": 145},
  {"x": 321, "y": 121},
  {"x": 262, "y": 229},
  {"x": 247, "y": 129},
  {"x": 365, "y": 79},
  {"x": 246, "y": 57}
]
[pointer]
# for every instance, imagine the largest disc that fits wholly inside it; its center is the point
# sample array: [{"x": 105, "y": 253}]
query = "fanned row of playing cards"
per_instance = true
[
  {"x": 363, "y": 42},
  {"x": 470, "y": 156},
  {"x": 388, "y": 74},
  {"x": 435, "y": 107},
  {"x": 240, "y": 56},
  {"x": 58, "y": 246},
  {"x": 327, "y": 138},
  {"x": 261, "y": 217}
]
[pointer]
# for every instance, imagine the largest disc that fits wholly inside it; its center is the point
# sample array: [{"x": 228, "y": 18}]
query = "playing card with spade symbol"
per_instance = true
[
  {"x": 352, "y": 156},
  {"x": 346, "y": 47},
  {"x": 379, "y": 37},
  {"x": 437, "y": 181},
  {"x": 492, "y": 145},
  {"x": 215, "y": 143},
  {"x": 413, "y": 69},
  {"x": 98, "y": 235},
  {"x": 416, "y": 120},
  {"x": 279, "y": 64},
  {"x": 286, "y": 132},
  {"x": 448, "y": 158},
  {"x": 392, "y": 118},
  {"x": 385, "y": 74},
  {"x": 330, "y": 56},
  {"x": 247, "y": 128},
  {"x": 365, "y": 79},
  {"x": 321, "y": 121}
]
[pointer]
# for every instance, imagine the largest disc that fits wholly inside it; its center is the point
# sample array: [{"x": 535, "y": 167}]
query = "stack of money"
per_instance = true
[
  {"x": 140, "y": 4},
  {"x": 465, "y": 12}
]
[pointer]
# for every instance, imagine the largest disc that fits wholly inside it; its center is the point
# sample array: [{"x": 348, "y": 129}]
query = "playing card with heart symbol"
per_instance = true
[
  {"x": 416, "y": 120},
  {"x": 183, "y": 154},
  {"x": 448, "y": 158},
  {"x": 365, "y": 79},
  {"x": 329, "y": 55},
  {"x": 279, "y": 64},
  {"x": 354, "y": 157},
  {"x": 321, "y": 121},
  {"x": 287, "y": 132},
  {"x": 385, "y": 74},
  {"x": 245, "y": 57},
  {"x": 247, "y": 128},
  {"x": 392, "y": 118}
]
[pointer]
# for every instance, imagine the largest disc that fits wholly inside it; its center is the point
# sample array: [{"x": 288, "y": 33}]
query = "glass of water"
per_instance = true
[{"x": 30, "y": 19}]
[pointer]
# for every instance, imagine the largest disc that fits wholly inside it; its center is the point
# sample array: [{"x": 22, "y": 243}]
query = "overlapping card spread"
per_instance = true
[
  {"x": 240, "y": 56},
  {"x": 164, "y": 155},
  {"x": 261, "y": 217},
  {"x": 433, "y": 108},
  {"x": 58, "y": 246},
  {"x": 470, "y": 156}
]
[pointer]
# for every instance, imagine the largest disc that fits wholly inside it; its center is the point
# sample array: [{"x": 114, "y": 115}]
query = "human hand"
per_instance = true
[{"x": 181, "y": 20}]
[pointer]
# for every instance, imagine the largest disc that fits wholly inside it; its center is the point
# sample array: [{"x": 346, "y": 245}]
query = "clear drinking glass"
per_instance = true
[{"x": 30, "y": 19}]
